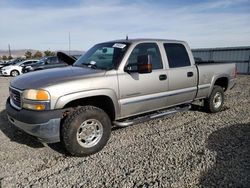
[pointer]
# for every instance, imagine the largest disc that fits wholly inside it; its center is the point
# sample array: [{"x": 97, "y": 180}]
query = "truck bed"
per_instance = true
[{"x": 208, "y": 73}]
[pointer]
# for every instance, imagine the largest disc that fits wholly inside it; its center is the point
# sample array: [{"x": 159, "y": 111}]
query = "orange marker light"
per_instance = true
[
  {"x": 40, "y": 107},
  {"x": 42, "y": 95}
]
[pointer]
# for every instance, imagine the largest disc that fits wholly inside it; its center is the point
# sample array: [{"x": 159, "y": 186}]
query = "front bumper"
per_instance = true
[
  {"x": 5, "y": 72},
  {"x": 45, "y": 125}
]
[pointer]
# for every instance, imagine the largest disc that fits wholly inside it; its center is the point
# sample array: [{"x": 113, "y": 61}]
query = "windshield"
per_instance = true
[
  {"x": 105, "y": 56},
  {"x": 13, "y": 62}
]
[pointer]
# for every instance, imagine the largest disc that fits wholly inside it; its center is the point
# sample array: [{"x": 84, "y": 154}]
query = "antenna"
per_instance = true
[{"x": 127, "y": 37}]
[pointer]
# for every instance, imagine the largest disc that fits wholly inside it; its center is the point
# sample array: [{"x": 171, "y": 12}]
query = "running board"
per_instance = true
[{"x": 155, "y": 115}]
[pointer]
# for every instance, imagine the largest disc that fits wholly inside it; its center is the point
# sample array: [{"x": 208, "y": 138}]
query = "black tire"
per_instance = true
[
  {"x": 14, "y": 73},
  {"x": 215, "y": 101},
  {"x": 73, "y": 125}
]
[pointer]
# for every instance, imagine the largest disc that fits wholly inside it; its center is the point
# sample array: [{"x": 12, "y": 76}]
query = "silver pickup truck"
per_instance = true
[{"x": 116, "y": 83}]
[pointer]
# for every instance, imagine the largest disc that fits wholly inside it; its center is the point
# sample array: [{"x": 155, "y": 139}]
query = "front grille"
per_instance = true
[{"x": 15, "y": 98}]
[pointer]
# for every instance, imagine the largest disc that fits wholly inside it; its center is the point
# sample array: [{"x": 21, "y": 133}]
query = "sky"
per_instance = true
[{"x": 46, "y": 24}]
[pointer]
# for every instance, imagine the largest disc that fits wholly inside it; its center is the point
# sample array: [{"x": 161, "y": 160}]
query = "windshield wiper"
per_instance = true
[
  {"x": 94, "y": 66},
  {"x": 90, "y": 65}
]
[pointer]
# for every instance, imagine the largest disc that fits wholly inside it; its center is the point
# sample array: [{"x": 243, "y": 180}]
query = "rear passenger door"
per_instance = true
[{"x": 182, "y": 74}]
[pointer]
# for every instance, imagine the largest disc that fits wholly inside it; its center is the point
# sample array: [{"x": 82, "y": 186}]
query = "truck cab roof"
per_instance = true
[{"x": 137, "y": 40}]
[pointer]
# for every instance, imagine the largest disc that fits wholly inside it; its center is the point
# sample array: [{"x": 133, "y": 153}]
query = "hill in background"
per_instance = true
[{"x": 20, "y": 53}]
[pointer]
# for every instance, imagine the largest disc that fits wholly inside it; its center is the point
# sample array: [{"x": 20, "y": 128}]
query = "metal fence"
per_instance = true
[{"x": 238, "y": 55}]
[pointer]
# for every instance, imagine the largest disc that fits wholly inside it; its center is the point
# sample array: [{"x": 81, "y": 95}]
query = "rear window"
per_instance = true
[{"x": 177, "y": 55}]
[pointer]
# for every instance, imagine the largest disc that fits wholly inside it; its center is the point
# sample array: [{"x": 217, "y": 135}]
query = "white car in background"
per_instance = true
[{"x": 16, "y": 69}]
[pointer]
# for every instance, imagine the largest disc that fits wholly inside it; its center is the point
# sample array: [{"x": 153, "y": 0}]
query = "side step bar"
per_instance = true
[{"x": 155, "y": 115}]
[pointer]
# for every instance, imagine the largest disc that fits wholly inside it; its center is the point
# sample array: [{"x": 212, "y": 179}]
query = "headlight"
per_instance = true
[
  {"x": 36, "y": 99},
  {"x": 40, "y": 95}
]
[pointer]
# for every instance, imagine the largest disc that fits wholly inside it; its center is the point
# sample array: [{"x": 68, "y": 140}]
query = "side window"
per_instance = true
[
  {"x": 144, "y": 49},
  {"x": 52, "y": 60},
  {"x": 28, "y": 62},
  {"x": 177, "y": 55}
]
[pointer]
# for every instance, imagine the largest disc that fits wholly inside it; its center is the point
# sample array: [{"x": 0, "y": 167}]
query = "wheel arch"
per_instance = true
[
  {"x": 104, "y": 100},
  {"x": 15, "y": 70},
  {"x": 221, "y": 80}
]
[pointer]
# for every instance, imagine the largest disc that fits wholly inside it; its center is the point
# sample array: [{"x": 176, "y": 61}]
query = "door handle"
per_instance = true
[
  {"x": 190, "y": 74},
  {"x": 163, "y": 77}
]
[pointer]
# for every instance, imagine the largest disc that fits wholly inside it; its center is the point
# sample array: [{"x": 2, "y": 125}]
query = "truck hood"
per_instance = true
[{"x": 43, "y": 78}]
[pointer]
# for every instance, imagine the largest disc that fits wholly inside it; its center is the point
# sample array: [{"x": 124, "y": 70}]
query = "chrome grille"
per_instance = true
[{"x": 15, "y": 98}]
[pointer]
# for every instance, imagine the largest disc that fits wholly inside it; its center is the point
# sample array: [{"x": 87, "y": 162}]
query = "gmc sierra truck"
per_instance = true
[{"x": 116, "y": 83}]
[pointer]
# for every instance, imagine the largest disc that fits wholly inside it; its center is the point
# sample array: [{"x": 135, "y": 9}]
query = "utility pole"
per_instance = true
[
  {"x": 248, "y": 71},
  {"x": 69, "y": 43},
  {"x": 9, "y": 50}
]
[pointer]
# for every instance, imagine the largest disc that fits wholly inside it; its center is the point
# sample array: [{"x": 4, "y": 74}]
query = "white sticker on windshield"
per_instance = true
[{"x": 119, "y": 45}]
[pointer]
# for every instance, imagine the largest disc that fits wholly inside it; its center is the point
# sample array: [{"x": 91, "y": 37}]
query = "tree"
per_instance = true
[
  {"x": 28, "y": 54},
  {"x": 49, "y": 53},
  {"x": 10, "y": 57},
  {"x": 4, "y": 58},
  {"x": 38, "y": 55}
]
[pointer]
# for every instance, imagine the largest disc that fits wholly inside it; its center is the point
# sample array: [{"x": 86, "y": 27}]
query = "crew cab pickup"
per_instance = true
[{"x": 116, "y": 83}]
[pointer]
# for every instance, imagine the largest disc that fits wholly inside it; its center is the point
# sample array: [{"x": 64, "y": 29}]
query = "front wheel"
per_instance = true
[
  {"x": 215, "y": 101},
  {"x": 86, "y": 131},
  {"x": 14, "y": 73}
]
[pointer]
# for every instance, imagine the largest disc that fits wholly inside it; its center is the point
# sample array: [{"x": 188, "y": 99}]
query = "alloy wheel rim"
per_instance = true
[{"x": 14, "y": 73}]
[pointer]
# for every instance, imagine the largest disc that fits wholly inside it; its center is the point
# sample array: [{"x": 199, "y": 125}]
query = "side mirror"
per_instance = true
[{"x": 144, "y": 64}]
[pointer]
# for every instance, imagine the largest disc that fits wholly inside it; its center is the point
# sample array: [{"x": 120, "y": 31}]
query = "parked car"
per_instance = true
[
  {"x": 117, "y": 83},
  {"x": 45, "y": 63},
  {"x": 2, "y": 64},
  {"x": 11, "y": 62},
  {"x": 16, "y": 69}
]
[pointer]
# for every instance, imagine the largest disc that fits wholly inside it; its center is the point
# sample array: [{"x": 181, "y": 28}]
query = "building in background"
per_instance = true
[{"x": 238, "y": 55}]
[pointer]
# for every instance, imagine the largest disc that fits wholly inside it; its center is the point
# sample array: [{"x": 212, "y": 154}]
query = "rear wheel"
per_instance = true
[
  {"x": 215, "y": 101},
  {"x": 14, "y": 73},
  {"x": 86, "y": 131}
]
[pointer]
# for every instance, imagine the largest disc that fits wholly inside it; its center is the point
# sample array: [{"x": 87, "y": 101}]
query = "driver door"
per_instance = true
[{"x": 143, "y": 92}]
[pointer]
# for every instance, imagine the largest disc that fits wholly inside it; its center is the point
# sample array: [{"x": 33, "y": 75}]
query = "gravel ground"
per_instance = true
[{"x": 191, "y": 149}]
